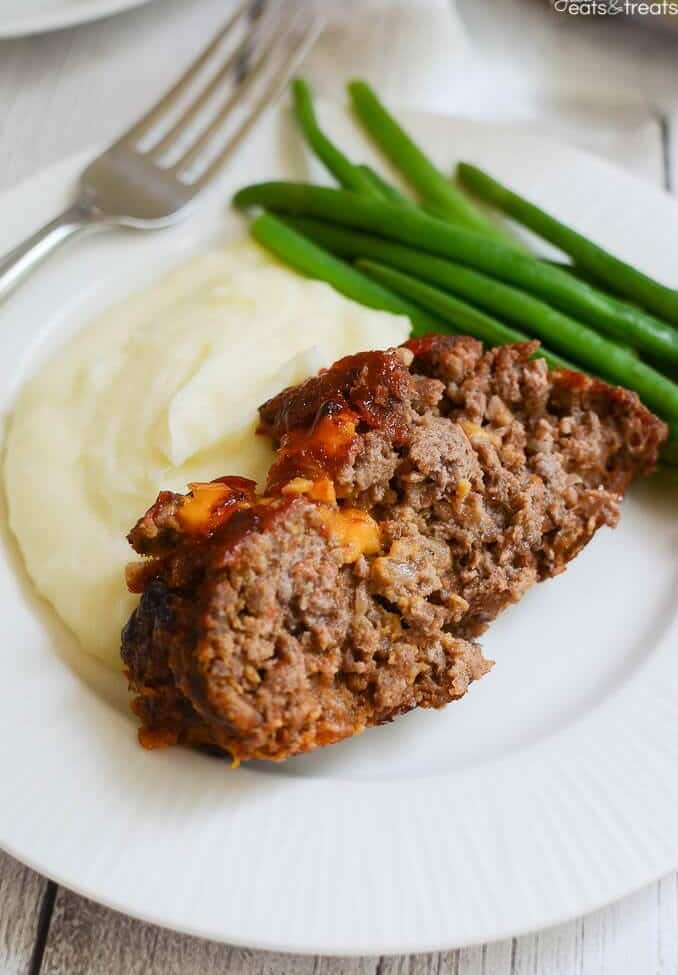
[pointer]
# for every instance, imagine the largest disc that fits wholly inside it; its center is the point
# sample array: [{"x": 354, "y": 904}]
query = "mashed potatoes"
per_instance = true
[{"x": 160, "y": 391}]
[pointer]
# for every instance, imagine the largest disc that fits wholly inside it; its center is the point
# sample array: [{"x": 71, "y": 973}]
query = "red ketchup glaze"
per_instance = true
[
  {"x": 317, "y": 453},
  {"x": 370, "y": 384}
]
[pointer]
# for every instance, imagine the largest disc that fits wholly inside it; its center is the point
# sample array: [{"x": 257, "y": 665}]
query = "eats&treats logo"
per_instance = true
[{"x": 610, "y": 8}]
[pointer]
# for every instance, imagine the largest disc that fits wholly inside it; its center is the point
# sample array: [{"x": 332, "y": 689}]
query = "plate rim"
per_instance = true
[{"x": 373, "y": 949}]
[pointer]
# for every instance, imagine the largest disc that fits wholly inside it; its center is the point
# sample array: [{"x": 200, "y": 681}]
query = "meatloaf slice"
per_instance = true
[{"x": 415, "y": 494}]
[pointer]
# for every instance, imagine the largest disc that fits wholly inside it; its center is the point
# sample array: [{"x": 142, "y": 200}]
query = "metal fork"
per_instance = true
[{"x": 148, "y": 181}]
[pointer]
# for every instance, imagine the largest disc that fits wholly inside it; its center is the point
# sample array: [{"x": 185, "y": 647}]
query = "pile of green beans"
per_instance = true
[{"x": 448, "y": 267}]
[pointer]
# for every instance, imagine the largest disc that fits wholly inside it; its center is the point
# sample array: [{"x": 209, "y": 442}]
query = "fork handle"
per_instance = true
[{"x": 20, "y": 261}]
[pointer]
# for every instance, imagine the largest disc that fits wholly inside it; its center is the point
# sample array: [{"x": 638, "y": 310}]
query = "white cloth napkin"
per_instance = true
[{"x": 414, "y": 51}]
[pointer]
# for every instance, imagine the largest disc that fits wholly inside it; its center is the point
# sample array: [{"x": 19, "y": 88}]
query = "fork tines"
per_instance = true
[{"x": 196, "y": 125}]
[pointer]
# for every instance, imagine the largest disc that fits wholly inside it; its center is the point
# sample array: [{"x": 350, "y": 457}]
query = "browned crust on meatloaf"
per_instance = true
[{"x": 415, "y": 494}]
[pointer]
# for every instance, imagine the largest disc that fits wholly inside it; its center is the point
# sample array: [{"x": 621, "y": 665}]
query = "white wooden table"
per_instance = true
[{"x": 599, "y": 85}]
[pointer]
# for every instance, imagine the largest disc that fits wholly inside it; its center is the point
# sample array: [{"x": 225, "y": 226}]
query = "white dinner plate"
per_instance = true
[
  {"x": 551, "y": 789},
  {"x": 19, "y": 17}
]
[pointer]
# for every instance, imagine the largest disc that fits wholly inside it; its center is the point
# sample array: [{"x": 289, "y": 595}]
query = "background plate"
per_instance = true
[
  {"x": 548, "y": 791},
  {"x": 19, "y": 17}
]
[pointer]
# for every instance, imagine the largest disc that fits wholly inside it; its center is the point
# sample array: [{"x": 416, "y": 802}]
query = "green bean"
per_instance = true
[
  {"x": 569, "y": 266},
  {"x": 416, "y": 167},
  {"x": 305, "y": 256},
  {"x": 411, "y": 226},
  {"x": 434, "y": 209},
  {"x": 587, "y": 278},
  {"x": 346, "y": 173},
  {"x": 387, "y": 190},
  {"x": 595, "y": 353},
  {"x": 576, "y": 271},
  {"x": 617, "y": 274}
]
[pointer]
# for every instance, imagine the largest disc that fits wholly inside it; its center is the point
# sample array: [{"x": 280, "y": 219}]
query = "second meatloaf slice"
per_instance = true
[
  {"x": 503, "y": 473},
  {"x": 415, "y": 494}
]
